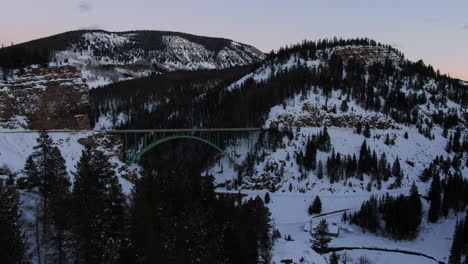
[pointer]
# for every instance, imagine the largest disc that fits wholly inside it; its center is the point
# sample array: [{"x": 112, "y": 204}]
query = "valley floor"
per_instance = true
[{"x": 289, "y": 213}]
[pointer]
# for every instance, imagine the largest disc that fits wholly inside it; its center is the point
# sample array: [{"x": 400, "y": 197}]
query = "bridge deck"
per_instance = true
[{"x": 123, "y": 131}]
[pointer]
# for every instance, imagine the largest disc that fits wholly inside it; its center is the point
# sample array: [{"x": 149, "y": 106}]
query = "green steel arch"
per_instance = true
[{"x": 162, "y": 140}]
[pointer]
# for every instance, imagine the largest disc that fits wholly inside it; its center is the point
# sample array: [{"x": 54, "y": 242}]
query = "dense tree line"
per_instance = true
[
  {"x": 398, "y": 217},
  {"x": 308, "y": 49},
  {"x": 457, "y": 144},
  {"x": 320, "y": 141},
  {"x": 442, "y": 167},
  {"x": 182, "y": 99},
  {"x": 173, "y": 216},
  {"x": 191, "y": 225},
  {"x": 459, "y": 242},
  {"x": 18, "y": 57},
  {"x": 449, "y": 194},
  {"x": 448, "y": 190},
  {"x": 339, "y": 167}
]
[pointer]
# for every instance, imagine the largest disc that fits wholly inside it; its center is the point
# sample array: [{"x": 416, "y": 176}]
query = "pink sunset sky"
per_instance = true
[{"x": 433, "y": 30}]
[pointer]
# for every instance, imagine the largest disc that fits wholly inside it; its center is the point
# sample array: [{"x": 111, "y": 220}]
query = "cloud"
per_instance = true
[
  {"x": 396, "y": 45},
  {"x": 91, "y": 27},
  {"x": 465, "y": 27},
  {"x": 85, "y": 7}
]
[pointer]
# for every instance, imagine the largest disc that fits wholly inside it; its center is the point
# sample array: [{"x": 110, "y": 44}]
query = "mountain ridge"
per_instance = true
[
  {"x": 81, "y": 31},
  {"x": 105, "y": 57}
]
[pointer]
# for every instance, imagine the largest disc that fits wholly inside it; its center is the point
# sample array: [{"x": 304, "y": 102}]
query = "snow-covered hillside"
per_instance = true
[
  {"x": 16, "y": 147},
  {"x": 292, "y": 189},
  {"x": 172, "y": 53},
  {"x": 107, "y": 57}
]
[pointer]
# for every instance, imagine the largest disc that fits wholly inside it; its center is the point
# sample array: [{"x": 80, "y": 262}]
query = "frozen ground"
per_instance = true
[
  {"x": 289, "y": 208},
  {"x": 16, "y": 147},
  {"x": 289, "y": 213}
]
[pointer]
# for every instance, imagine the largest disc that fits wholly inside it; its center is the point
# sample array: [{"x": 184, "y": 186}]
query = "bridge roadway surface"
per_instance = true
[{"x": 124, "y": 131}]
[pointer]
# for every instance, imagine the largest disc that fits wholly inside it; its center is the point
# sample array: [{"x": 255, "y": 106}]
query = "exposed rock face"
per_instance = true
[
  {"x": 308, "y": 115},
  {"x": 45, "y": 98}
]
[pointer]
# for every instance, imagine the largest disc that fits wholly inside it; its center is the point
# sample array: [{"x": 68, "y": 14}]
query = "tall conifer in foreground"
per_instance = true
[
  {"x": 12, "y": 239},
  {"x": 320, "y": 237},
  {"x": 48, "y": 178},
  {"x": 98, "y": 210}
]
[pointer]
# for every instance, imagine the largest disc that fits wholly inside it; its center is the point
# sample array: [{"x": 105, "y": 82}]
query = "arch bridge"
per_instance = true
[{"x": 137, "y": 142}]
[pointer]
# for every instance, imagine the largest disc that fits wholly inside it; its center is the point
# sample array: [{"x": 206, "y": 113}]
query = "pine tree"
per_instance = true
[
  {"x": 324, "y": 140},
  {"x": 456, "y": 146},
  {"x": 316, "y": 206},
  {"x": 98, "y": 210},
  {"x": 344, "y": 106},
  {"x": 363, "y": 163},
  {"x": 457, "y": 245},
  {"x": 445, "y": 132},
  {"x": 333, "y": 259},
  {"x": 47, "y": 175},
  {"x": 263, "y": 219},
  {"x": 12, "y": 240},
  {"x": 396, "y": 172},
  {"x": 59, "y": 207},
  {"x": 320, "y": 236},
  {"x": 366, "y": 131},
  {"x": 434, "y": 197},
  {"x": 465, "y": 231},
  {"x": 344, "y": 217},
  {"x": 382, "y": 166},
  {"x": 415, "y": 210},
  {"x": 267, "y": 198},
  {"x": 387, "y": 140},
  {"x": 310, "y": 159},
  {"x": 320, "y": 170},
  {"x": 31, "y": 171},
  {"x": 359, "y": 128}
]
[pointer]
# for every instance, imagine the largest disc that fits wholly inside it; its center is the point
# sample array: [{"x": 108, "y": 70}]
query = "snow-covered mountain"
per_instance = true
[
  {"x": 170, "y": 51},
  {"x": 106, "y": 57}
]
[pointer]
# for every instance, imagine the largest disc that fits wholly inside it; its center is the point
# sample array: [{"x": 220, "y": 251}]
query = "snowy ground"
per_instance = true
[
  {"x": 289, "y": 213},
  {"x": 357, "y": 256},
  {"x": 417, "y": 150},
  {"x": 16, "y": 147},
  {"x": 289, "y": 208}
]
